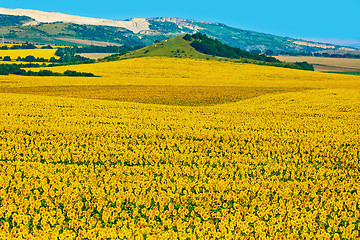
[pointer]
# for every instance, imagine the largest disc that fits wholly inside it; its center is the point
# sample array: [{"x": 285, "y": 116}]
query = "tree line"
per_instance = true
[
  {"x": 25, "y": 46},
  {"x": 209, "y": 46},
  {"x": 324, "y": 54},
  {"x": 6, "y": 69}
]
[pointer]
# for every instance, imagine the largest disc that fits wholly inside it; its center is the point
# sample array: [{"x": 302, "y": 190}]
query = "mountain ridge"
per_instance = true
[
  {"x": 144, "y": 31},
  {"x": 135, "y": 24}
]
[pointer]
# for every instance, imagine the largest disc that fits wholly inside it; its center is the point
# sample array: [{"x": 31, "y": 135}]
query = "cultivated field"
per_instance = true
[
  {"x": 88, "y": 42},
  {"x": 322, "y": 64},
  {"x": 9, "y": 45},
  {"x": 161, "y": 148},
  {"x": 37, "y": 53},
  {"x": 95, "y": 55}
]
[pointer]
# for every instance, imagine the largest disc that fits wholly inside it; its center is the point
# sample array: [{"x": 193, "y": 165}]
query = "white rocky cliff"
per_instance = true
[{"x": 135, "y": 25}]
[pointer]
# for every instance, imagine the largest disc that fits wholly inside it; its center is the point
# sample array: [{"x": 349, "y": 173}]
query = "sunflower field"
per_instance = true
[{"x": 273, "y": 165}]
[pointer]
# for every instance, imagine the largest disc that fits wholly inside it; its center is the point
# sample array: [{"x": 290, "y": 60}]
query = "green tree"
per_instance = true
[
  {"x": 52, "y": 59},
  {"x": 7, "y": 58},
  {"x": 29, "y": 59},
  {"x": 256, "y": 51},
  {"x": 4, "y": 71},
  {"x": 269, "y": 52},
  {"x": 187, "y": 37}
]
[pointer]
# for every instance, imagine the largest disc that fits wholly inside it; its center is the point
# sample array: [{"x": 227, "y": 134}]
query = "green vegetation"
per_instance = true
[
  {"x": 57, "y": 33},
  {"x": 107, "y": 49},
  {"x": 209, "y": 46},
  {"x": 6, "y": 69},
  {"x": 53, "y": 33},
  {"x": 31, "y": 58},
  {"x": 68, "y": 55},
  {"x": 31, "y": 65},
  {"x": 324, "y": 54},
  {"x": 166, "y": 27},
  {"x": 22, "y": 46},
  {"x": 250, "y": 40},
  {"x": 305, "y": 66},
  {"x": 175, "y": 47},
  {"x": 356, "y": 73},
  {"x": 179, "y": 47},
  {"x": 10, "y": 20},
  {"x": 7, "y": 59}
]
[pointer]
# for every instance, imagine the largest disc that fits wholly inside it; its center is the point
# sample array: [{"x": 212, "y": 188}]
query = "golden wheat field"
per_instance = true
[{"x": 180, "y": 149}]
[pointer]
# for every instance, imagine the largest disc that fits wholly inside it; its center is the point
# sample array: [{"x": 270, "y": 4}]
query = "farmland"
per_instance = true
[
  {"x": 323, "y": 64},
  {"x": 96, "y": 55},
  {"x": 164, "y": 148},
  {"x": 37, "y": 53}
]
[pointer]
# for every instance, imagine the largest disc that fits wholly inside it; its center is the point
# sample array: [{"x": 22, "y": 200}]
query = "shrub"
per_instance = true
[
  {"x": 7, "y": 58},
  {"x": 29, "y": 59},
  {"x": 187, "y": 37},
  {"x": 305, "y": 66},
  {"x": 4, "y": 71}
]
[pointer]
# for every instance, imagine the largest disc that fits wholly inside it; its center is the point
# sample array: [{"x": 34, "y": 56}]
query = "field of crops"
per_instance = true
[
  {"x": 37, "y": 53},
  {"x": 277, "y": 158},
  {"x": 323, "y": 64},
  {"x": 9, "y": 45}
]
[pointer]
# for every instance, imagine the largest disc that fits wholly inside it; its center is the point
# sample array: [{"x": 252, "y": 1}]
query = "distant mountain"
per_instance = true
[
  {"x": 352, "y": 43},
  {"x": 136, "y": 25},
  {"x": 58, "y": 28}
]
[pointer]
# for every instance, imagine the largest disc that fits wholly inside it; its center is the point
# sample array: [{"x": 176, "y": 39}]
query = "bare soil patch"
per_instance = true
[
  {"x": 89, "y": 42},
  {"x": 95, "y": 55},
  {"x": 324, "y": 68},
  {"x": 168, "y": 95}
]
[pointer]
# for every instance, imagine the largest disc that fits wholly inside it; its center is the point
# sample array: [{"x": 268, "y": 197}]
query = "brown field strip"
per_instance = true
[
  {"x": 326, "y": 64},
  {"x": 95, "y": 55},
  {"x": 168, "y": 95},
  {"x": 88, "y": 42},
  {"x": 324, "y": 68}
]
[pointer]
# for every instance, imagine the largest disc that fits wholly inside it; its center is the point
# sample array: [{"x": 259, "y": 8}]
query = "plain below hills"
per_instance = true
[{"x": 174, "y": 81}]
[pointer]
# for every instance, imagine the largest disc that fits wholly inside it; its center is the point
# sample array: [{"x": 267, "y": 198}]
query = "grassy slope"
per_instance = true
[
  {"x": 178, "y": 47},
  {"x": 175, "y": 47}
]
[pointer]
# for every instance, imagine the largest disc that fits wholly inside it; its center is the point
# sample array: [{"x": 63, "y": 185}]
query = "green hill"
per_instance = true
[
  {"x": 173, "y": 47},
  {"x": 183, "y": 47}
]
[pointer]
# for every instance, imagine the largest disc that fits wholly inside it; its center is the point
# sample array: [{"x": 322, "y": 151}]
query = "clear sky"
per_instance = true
[{"x": 310, "y": 19}]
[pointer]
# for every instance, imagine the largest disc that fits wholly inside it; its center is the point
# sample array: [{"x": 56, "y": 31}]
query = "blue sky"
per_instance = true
[{"x": 310, "y": 19}]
